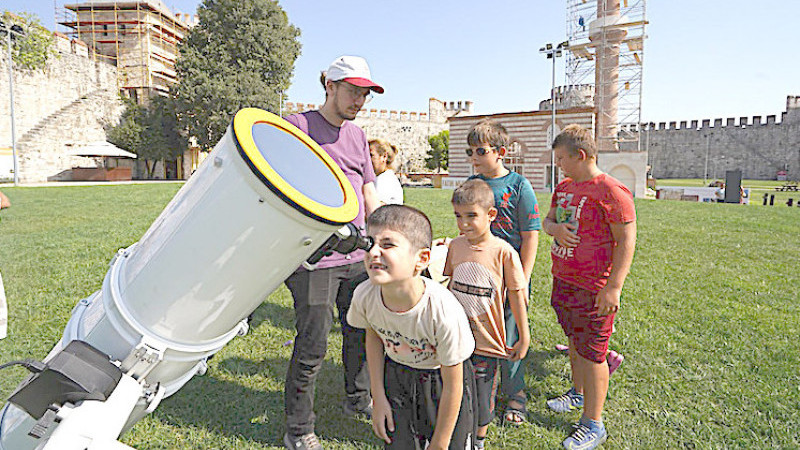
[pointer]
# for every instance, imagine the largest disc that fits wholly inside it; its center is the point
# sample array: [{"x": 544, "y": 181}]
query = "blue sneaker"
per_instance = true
[
  {"x": 566, "y": 402},
  {"x": 585, "y": 438}
]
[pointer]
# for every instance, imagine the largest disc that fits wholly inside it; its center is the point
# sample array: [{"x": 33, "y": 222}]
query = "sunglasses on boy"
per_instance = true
[{"x": 480, "y": 151}]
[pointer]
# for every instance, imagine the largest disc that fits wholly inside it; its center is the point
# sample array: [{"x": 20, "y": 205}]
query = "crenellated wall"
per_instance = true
[
  {"x": 578, "y": 96},
  {"x": 408, "y": 130},
  {"x": 758, "y": 146}
]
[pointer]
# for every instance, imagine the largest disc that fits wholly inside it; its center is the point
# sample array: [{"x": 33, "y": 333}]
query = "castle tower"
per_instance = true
[
  {"x": 607, "y": 48},
  {"x": 606, "y": 39}
]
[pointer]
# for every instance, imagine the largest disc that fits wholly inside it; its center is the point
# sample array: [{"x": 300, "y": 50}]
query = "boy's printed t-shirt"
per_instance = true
[
  {"x": 517, "y": 207},
  {"x": 347, "y": 146},
  {"x": 593, "y": 205},
  {"x": 480, "y": 276},
  {"x": 434, "y": 333}
]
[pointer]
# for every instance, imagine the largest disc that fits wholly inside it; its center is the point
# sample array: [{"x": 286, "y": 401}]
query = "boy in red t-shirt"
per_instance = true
[{"x": 593, "y": 222}]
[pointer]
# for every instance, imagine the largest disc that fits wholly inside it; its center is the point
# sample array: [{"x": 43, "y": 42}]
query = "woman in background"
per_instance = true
[{"x": 386, "y": 182}]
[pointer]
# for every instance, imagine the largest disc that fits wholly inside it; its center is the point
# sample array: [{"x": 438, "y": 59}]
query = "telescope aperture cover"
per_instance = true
[{"x": 294, "y": 167}]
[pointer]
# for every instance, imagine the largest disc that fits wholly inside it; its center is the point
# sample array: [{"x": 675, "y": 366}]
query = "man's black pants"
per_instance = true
[{"x": 314, "y": 295}]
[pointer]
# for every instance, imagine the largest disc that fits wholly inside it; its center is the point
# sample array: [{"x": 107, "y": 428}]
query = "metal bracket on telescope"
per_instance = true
[
  {"x": 154, "y": 398},
  {"x": 123, "y": 252},
  {"x": 43, "y": 424},
  {"x": 143, "y": 359}
]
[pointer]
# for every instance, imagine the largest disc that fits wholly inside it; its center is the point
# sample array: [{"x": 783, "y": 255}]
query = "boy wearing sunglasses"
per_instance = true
[{"x": 518, "y": 223}]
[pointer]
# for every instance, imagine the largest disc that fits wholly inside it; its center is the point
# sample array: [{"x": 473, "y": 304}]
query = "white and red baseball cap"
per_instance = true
[{"x": 354, "y": 70}]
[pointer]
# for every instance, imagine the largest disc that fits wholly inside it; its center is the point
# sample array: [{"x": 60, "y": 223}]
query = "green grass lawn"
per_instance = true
[{"x": 709, "y": 328}]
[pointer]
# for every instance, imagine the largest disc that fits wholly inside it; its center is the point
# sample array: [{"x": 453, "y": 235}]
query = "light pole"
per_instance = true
[
  {"x": 552, "y": 53},
  {"x": 7, "y": 30}
]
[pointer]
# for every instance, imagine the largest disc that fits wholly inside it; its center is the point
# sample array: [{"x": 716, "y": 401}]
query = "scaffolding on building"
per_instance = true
[
  {"x": 140, "y": 37},
  {"x": 616, "y": 72}
]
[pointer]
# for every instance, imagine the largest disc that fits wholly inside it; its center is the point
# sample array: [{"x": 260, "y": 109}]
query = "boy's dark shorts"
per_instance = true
[
  {"x": 486, "y": 381},
  {"x": 414, "y": 396},
  {"x": 578, "y": 317}
]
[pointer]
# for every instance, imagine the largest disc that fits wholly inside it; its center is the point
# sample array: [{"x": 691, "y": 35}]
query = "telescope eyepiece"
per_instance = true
[{"x": 346, "y": 239}]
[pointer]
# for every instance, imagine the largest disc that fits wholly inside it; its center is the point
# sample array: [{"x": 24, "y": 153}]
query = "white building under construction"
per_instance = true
[{"x": 140, "y": 37}]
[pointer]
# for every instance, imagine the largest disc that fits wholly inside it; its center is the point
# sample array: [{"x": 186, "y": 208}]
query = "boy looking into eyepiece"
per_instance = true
[{"x": 418, "y": 339}]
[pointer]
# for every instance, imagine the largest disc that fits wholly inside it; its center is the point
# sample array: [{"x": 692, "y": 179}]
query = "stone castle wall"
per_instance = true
[
  {"x": 57, "y": 109},
  {"x": 409, "y": 131},
  {"x": 706, "y": 149}
]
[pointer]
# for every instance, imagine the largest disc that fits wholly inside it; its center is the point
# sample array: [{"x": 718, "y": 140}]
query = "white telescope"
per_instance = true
[{"x": 266, "y": 199}]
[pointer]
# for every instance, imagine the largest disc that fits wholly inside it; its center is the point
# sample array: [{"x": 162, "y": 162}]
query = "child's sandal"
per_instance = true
[
  {"x": 516, "y": 412},
  {"x": 513, "y": 416}
]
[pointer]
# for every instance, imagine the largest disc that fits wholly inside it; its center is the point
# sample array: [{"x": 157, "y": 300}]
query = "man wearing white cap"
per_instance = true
[{"x": 348, "y": 86}]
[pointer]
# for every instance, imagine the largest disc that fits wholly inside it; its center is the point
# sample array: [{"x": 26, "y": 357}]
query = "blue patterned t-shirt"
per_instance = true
[{"x": 517, "y": 207}]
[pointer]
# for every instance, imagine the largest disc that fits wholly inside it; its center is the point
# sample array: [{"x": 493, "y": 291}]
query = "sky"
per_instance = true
[{"x": 702, "y": 59}]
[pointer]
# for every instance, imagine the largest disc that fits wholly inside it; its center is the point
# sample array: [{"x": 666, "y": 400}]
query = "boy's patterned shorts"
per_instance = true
[{"x": 578, "y": 317}]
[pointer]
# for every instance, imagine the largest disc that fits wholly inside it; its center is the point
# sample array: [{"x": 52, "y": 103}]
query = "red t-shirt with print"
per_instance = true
[{"x": 593, "y": 205}]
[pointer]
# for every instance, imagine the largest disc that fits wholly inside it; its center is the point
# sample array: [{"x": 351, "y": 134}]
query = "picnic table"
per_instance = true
[{"x": 788, "y": 187}]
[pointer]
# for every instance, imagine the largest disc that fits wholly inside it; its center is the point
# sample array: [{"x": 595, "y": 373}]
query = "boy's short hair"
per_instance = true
[
  {"x": 574, "y": 138},
  {"x": 490, "y": 132},
  {"x": 412, "y": 223},
  {"x": 474, "y": 192}
]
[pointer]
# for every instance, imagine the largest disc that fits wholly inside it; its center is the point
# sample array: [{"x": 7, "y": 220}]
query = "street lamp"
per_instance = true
[
  {"x": 8, "y": 30},
  {"x": 553, "y": 53}
]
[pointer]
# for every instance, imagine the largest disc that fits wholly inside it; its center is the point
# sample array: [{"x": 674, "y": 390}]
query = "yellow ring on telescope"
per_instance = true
[{"x": 243, "y": 123}]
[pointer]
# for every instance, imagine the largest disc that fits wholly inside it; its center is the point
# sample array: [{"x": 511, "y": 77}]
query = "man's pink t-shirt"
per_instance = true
[{"x": 347, "y": 145}]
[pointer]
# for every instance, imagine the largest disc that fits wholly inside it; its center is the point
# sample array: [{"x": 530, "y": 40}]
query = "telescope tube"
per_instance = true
[{"x": 261, "y": 203}]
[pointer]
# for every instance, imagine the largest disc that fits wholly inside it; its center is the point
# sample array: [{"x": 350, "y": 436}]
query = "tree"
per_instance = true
[
  {"x": 32, "y": 44},
  {"x": 241, "y": 54},
  {"x": 152, "y": 132},
  {"x": 129, "y": 133},
  {"x": 438, "y": 155}
]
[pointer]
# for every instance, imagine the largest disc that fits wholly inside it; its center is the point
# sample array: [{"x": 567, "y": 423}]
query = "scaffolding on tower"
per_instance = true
[
  {"x": 606, "y": 49},
  {"x": 140, "y": 37}
]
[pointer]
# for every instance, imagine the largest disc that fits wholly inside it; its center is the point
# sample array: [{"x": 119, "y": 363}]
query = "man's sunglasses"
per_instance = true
[{"x": 480, "y": 151}]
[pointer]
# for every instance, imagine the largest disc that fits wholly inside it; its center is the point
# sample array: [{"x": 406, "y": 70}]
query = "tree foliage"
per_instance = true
[
  {"x": 31, "y": 44},
  {"x": 152, "y": 132},
  {"x": 128, "y": 134},
  {"x": 241, "y": 54},
  {"x": 438, "y": 154}
]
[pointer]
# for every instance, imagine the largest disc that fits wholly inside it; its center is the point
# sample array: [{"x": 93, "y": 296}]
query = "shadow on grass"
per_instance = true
[
  {"x": 274, "y": 314},
  {"x": 232, "y": 409},
  {"x": 535, "y": 362},
  {"x": 538, "y": 367},
  {"x": 226, "y": 408}
]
